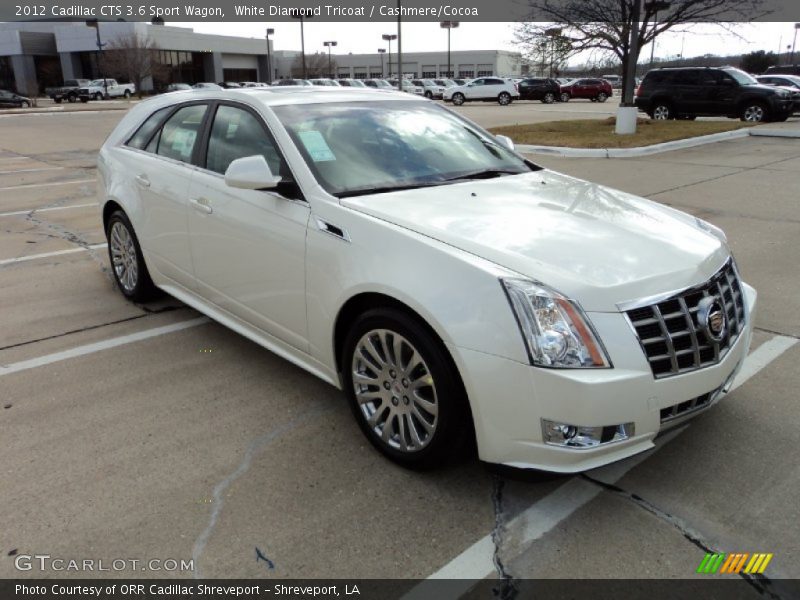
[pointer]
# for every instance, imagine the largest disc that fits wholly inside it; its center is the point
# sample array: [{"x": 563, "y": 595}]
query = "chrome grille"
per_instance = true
[{"x": 670, "y": 335}]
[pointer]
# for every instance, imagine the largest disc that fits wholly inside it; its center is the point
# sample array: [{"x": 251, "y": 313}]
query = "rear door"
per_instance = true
[
  {"x": 162, "y": 172},
  {"x": 248, "y": 246}
]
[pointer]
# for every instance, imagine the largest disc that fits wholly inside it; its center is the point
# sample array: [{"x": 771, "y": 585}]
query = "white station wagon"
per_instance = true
[{"x": 454, "y": 290}]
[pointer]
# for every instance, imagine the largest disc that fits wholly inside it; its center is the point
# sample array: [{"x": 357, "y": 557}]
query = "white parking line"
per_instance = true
[
  {"x": 477, "y": 561},
  {"x": 16, "y": 158},
  {"x": 48, "y": 184},
  {"x": 19, "y": 259},
  {"x": 31, "y": 170},
  {"x": 122, "y": 340},
  {"x": 41, "y": 210}
]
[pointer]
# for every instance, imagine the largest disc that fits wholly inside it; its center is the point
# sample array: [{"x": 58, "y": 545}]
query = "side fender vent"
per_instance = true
[{"x": 332, "y": 229}]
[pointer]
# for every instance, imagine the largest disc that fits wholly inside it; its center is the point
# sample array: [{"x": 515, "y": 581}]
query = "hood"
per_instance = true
[{"x": 596, "y": 245}]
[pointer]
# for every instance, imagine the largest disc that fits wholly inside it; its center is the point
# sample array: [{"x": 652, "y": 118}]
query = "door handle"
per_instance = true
[
  {"x": 201, "y": 204},
  {"x": 142, "y": 180}
]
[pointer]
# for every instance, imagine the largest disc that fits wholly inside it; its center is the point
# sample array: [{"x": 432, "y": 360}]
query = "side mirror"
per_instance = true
[
  {"x": 505, "y": 141},
  {"x": 251, "y": 173}
]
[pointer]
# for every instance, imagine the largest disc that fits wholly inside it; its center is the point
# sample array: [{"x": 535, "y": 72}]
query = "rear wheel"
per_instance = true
[
  {"x": 429, "y": 95},
  {"x": 127, "y": 260},
  {"x": 403, "y": 389},
  {"x": 504, "y": 99},
  {"x": 661, "y": 111},
  {"x": 98, "y": 96},
  {"x": 57, "y": 100},
  {"x": 754, "y": 112},
  {"x": 458, "y": 98},
  {"x": 602, "y": 97},
  {"x": 565, "y": 97},
  {"x": 549, "y": 98},
  {"x": 127, "y": 94},
  {"x": 72, "y": 98}
]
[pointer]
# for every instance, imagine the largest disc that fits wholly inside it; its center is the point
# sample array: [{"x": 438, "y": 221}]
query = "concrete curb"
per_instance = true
[{"x": 632, "y": 152}]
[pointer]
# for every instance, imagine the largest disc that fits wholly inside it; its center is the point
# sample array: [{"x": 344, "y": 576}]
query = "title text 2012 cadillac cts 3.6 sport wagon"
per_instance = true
[{"x": 451, "y": 288}]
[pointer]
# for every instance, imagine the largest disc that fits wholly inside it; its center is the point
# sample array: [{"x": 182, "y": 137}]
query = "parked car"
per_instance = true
[
  {"x": 445, "y": 283},
  {"x": 792, "y": 81},
  {"x": 228, "y": 85},
  {"x": 106, "y": 88},
  {"x": 544, "y": 89},
  {"x": 430, "y": 88},
  {"x": 687, "y": 92},
  {"x": 614, "y": 80},
  {"x": 783, "y": 70},
  {"x": 325, "y": 82},
  {"x": 13, "y": 100},
  {"x": 351, "y": 83},
  {"x": 205, "y": 85},
  {"x": 408, "y": 87},
  {"x": 446, "y": 83},
  {"x": 178, "y": 87},
  {"x": 487, "y": 89},
  {"x": 380, "y": 84},
  {"x": 461, "y": 81},
  {"x": 596, "y": 90},
  {"x": 291, "y": 82},
  {"x": 68, "y": 91},
  {"x": 251, "y": 84}
]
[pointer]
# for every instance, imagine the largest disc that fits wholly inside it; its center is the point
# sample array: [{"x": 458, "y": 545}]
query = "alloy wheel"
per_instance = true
[
  {"x": 123, "y": 256},
  {"x": 661, "y": 112},
  {"x": 395, "y": 390},
  {"x": 504, "y": 99},
  {"x": 753, "y": 114},
  {"x": 549, "y": 98},
  {"x": 458, "y": 99}
]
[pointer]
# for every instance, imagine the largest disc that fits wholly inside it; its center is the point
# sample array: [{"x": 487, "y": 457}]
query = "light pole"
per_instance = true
[
  {"x": 448, "y": 25},
  {"x": 655, "y": 6},
  {"x": 794, "y": 41},
  {"x": 399, "y": 49},
  {"x": 329, "y": 45},
  {"x": 389, "y": 37},
  {"x": 300, "y": 14},
  {"x": 270, "y": 31},
  {"x": 382, "y": 51},
  {"x": 96, "y": 25}
]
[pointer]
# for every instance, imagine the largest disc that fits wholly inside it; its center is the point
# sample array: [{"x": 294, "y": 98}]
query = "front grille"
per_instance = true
[
  {"x": 685, "y": 408},
  {"x": 670, "y": 335}
]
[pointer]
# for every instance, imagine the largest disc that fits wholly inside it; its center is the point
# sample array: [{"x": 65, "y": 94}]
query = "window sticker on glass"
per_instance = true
[
  {"x": 183, "y": 142},
  {"x": 316, "y": 146}
]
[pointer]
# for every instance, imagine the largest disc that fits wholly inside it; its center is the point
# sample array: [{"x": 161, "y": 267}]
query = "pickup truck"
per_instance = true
[
  {"x": 68, "y": 91},
  {"x": 96, "y": 90}
]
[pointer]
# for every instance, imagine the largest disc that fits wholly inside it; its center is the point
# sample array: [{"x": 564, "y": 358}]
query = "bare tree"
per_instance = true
[
  {"x": 605, "y": 26},
  {"x": 316, "y": 65},
  {"x": 133, "y": 57}
]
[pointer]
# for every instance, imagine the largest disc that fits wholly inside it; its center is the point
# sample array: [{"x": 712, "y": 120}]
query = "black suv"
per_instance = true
[
  {"x": 686, "y": 92},
  {"x": 546, "y": 90}
]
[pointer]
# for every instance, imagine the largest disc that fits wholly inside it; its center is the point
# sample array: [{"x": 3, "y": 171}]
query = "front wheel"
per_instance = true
[
  {"x": 565, "y": 97},
  {"x": 549, "y": 98},
  {"x": 98, "y": 96},
  {"x": 754, "y": 112},
  {"x": 429, "y": 95},
  {"x": 504, "y": 99},
  {"x": 127, "y": 94},
  {"x": 72, "y": 98},
  {"x": 458, "y": 99},
  {"x": 404, "y": 390},
  {"x": 661, "y": 112},
  {"x": 127, "y": 261}
]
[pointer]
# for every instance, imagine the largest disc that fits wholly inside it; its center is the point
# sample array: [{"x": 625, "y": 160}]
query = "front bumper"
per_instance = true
[{"x": 509, "y": 399}]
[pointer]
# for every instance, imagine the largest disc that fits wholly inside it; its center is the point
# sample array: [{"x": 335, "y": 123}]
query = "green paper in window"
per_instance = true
[{"x": 316, "y": 146}]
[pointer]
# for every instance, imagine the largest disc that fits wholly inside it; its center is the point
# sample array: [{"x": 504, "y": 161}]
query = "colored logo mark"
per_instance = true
[{"x": 737, "y": 562}]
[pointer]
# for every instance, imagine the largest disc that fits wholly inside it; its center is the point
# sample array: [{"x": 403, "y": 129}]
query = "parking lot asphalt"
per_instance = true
[{"x": 146, "y": 432}]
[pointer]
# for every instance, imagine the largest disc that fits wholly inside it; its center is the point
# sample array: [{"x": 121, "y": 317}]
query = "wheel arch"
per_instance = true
[{"x": 109, "y": 208}]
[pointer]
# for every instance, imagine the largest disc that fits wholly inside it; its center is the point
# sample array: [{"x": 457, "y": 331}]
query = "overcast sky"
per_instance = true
[{"x": 419, "y": 37}]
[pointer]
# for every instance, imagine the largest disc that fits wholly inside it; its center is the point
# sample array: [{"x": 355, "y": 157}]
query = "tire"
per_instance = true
[
  {"x": 429, "y": 95},
  {"x": 26, "y": 104},
  {"x": 548, "y": 98},
  {"x": 504, "y": 99},
  {"x": 57, "y": 100},
  {"x": 98, "y": 96},
  {"x": 565, "y": 97},
  {"x": 602, "y": 97},
  {"x": 127, "y": 262},
  {"x": 127, "y": 94},
  {"x": 661, "y": 111},
  {"x": 72, "y": 98},
  {"x": 84, "y": 99},
  {"x": 754, "y": 112},
  {"x": 458, "y": 99},
  {"x": 418, "y": 418}
]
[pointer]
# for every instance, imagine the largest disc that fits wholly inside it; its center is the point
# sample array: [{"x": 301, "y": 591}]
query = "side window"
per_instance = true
[
  {"x": 236, "y": 133},
  {"x": 495, "y": 82},
  {"x": 179, "y": 134},
  {"x": 145, "y": 131},
  {"x": 478, "y": 82}
]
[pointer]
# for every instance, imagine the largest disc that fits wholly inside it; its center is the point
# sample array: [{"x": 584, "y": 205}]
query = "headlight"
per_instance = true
[{"x": 555, "y": 329}]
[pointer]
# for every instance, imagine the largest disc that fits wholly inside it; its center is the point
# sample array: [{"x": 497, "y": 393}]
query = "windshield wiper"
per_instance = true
[
  {"x": 485, "y": 174},
  {"x": 385, "y": 189}
]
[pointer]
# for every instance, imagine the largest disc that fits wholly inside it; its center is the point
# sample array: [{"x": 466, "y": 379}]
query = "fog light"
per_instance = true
[{"x": 579, "y": 436}]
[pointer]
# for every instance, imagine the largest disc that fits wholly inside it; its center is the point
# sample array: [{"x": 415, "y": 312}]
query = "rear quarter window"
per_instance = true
[{"x": 139, "y": 139}]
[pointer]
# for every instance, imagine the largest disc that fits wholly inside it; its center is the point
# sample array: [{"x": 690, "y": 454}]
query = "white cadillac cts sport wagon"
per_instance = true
[{"x": 453, "y": 289}]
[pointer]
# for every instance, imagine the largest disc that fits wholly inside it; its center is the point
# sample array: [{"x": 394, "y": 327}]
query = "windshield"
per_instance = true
[
  {"x": 741, "y": 77},
  {"x": 97, "y": 82},
  {"x": 372, "y": 147}
]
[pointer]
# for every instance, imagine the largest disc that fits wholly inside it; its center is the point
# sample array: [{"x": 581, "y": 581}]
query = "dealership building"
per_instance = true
[{"x": 35, "y": 55}]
